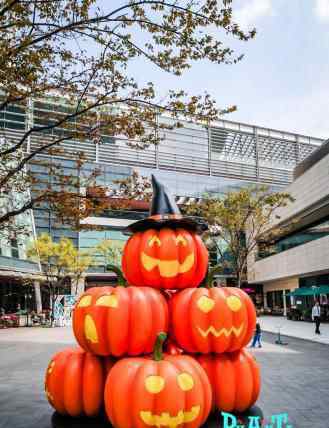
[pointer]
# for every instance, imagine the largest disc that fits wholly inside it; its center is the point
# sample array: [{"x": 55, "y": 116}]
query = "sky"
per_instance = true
[{"x": 283, "y": 80}]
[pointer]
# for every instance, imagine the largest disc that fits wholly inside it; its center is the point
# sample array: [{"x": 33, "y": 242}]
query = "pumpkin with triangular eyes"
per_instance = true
[
  {"x": 75, "y": 381},
  {"x": 119, "y": 320},
  {"x": 234, "y": 378},
  {"x": 165, "y": 258},
  {"x": 206, "y": 320},
  {"x": 166, "y": 391}
]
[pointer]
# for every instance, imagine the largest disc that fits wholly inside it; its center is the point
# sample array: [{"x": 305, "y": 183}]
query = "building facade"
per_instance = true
[
  {"x": 19, "y": 276},
  {"x": 300, "y": 256},
  {"x": 193, "y": 160}
]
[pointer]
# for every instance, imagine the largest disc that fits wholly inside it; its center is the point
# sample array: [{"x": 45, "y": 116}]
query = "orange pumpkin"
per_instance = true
[
  {"x": 75, "y": 381},
  {"x": 165, "y": 258},
  {"x": 119, "y": 320},
  {"x": 168, "y": 391},
  {"x": 212, "y": 319},
  {"x": 235, "y": 380}
]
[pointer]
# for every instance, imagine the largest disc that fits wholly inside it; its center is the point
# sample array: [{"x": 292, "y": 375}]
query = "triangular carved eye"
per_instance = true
[
  {"x": 84, "y": 301},
  {"x": 181, "y": 240},
  {"x": 154, "y": 240}
]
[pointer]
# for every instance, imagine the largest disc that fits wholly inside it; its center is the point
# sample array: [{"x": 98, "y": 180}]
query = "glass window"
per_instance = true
[{"x": 301, "y": 237}]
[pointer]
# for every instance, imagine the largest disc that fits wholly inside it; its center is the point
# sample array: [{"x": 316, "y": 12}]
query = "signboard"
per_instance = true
[{"x": 63, "y": 310}]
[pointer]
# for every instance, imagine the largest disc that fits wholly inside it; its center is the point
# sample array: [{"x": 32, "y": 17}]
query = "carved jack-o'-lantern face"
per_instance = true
[
  {"x": 118, "y": 321},
  {"x": 154, "y": 384},
  {"x": 168, "y": 393},
  {"x": 165, "y": 258},
  {"x": 212, "y": 320}
]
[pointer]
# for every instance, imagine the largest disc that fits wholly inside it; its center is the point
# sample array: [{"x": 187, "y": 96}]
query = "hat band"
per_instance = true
[{"x": 166, "y": 216}]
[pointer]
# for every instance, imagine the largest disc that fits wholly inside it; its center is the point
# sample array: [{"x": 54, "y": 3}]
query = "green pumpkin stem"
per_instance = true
[
  {"x": 118, "y": 272},
  {"x": 158, "y": 352}
]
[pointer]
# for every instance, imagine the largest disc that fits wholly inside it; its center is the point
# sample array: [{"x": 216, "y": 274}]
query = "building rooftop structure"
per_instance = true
[{"x": 223, "y": 149}]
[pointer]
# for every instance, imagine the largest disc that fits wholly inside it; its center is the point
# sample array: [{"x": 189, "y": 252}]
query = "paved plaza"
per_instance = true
[
  {"x": 295, "y": 379},
  {"x": 299, "y": 329}
]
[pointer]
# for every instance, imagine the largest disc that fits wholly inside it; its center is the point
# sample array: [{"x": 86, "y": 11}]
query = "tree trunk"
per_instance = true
[
  {"x": 52, "y": 314},
  {"x": 238, "y": 279}
]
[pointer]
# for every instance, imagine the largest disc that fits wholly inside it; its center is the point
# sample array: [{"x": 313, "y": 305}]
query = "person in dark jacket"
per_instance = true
[{"x": 257, "y": 337}]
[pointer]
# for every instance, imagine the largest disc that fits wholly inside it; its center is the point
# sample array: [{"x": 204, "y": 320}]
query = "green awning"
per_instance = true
[{"x": 310, "y": 291}]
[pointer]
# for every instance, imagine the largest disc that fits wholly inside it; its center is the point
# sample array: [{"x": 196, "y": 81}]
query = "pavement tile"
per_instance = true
[{"x": 295, "y": 379}]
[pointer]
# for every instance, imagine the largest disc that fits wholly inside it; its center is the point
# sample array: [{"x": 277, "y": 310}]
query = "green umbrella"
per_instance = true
[{"x": 310, "y": 291}]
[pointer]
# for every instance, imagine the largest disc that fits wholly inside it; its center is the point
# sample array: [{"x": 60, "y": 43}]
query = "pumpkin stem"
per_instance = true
[
  {"x": 211, "y": 273},
  {"x": 118, "y": 272},
  {"x": 158, "y": 352}
]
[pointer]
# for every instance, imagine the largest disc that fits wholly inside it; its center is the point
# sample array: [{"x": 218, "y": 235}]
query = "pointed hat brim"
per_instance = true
[{"x": 195, "y": 224}]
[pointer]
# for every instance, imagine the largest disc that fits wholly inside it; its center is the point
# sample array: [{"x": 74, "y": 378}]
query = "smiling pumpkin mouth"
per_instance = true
[
  {"x": 170, "y": 421},
  {"x": 168, "y": 268},
  {"x": 223, "y": 331}
]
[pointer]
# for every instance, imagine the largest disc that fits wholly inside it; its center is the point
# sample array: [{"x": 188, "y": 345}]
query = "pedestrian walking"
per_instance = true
[
  {"x": 316, "y": 316},
  {"x": 257, "y": 337}
]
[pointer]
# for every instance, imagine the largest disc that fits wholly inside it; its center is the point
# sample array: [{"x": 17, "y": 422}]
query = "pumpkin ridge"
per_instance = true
[
  {"x": 82, "y": 391},
  {"x": 138, "y": 264},
  {"x": 195, "y": 282},
  {"x": 129, "y": 321},
  {"x": 197, "y": 373},
  {"x": 247, "y": 362},
  {"x": 202, "y": 256},
  {"x": 191, "y": 333},
  {"x": 226, "y": 293},
  {"x": 177, "y": 365},
  {"x": 106, "y": 322},
  {"x": 60, "y": 398},
  {"x": 66, "y": 367}
]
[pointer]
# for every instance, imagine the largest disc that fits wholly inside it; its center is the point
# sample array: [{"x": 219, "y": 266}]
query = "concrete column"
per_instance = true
[
  {"x": 284, "y": 303},
  {"x": 37, "y": 293},
  {"x": 265, "y": 299}
]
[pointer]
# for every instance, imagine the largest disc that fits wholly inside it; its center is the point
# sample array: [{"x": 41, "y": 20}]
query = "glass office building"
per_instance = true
[
  {"x": 15, "y": 267},
  {"x": 193, "y": 160}
]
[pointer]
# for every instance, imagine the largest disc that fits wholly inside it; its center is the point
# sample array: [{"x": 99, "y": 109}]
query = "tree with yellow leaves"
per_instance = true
[
  {"x": 109, "y": 254},
  {"x": 239, "y": 222},
  {"x": 62, "y": 263}
]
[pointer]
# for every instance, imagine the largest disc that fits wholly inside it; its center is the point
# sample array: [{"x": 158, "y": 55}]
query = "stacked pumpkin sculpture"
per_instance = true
[{"x": 203, "y": 331}]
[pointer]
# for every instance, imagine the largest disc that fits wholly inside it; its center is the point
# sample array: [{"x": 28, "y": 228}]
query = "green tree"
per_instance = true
[
  {"x": 238, "y": 222},
  {"x": 83, "y": 55}
]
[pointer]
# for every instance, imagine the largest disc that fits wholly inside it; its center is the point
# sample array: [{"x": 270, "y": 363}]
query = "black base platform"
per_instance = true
[{"x": 215, "y": 420}]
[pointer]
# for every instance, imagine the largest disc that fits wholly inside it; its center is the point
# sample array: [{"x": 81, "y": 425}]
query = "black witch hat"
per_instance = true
[{"x": 164, "y": 212}]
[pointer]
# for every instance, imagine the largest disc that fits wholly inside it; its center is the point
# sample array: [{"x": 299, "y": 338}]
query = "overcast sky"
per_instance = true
[{"x": 283, "y": 80}]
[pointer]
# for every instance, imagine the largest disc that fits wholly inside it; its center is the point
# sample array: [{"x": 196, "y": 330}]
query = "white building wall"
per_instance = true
[
  {"x": 307, "y": 259},
  {"x": 307, "y": 189}
]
